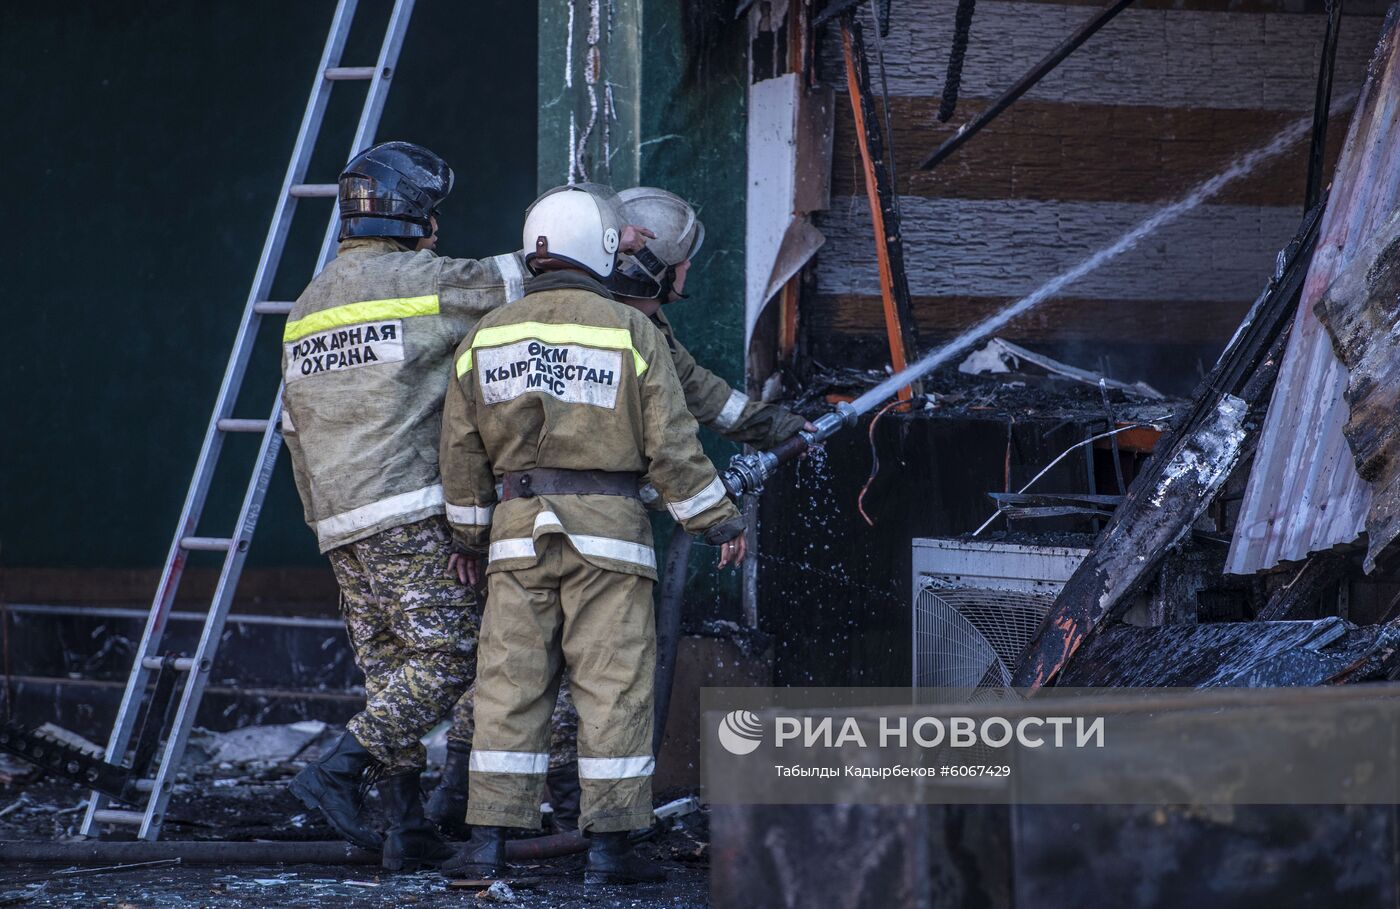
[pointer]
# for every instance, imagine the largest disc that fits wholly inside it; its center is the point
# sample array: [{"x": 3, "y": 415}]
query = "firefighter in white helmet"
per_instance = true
[
  {"x": 647, "y": 280},
  {"x": 567, "y": 398}
]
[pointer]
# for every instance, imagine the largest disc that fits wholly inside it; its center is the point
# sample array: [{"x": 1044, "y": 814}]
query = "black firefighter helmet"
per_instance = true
[{"x": 392, "y": 189}]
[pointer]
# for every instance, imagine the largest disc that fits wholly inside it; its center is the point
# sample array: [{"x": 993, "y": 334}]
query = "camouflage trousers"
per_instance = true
[
  {"x": 563, "y": 724},
  {"x": 413, "y": 629}
]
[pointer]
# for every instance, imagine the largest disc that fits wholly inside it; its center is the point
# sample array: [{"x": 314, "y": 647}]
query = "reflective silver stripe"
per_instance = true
[
  {"x": 514, "y": 548},
  {"x": 509, "y": 267},
  {"x": 548, "y": 519},
  {"x": 371, "y": 514},
  {"x": 708, "y": 497},
  {"x": 733, "y": 409},
  {"x": 470, "y": 515},
  {"x": 509, "y": 762},
  {"x": 618, "y": 768},
  {"x": 619, "y": 550},
  {"x": 601, "y": 547}
]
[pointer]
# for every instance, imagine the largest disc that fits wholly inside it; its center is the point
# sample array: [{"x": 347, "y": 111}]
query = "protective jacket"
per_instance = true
[
  {"x": 727, "y": 411},
  {"x": 568, "y": 378},
  {"x": 367, "y": 358}
]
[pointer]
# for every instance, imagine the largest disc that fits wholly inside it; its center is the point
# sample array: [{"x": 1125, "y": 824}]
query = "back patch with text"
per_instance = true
[
  {"x": 350, "y": 347},
  {"x": 569, "y": 372}
]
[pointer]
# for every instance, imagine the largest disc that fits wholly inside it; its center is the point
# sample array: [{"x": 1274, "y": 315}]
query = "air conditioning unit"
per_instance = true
[{"x": 977, "y": 605}]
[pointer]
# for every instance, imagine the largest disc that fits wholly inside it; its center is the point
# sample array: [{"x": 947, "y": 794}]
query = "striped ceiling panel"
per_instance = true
[{"x": 1158, "y": 101}]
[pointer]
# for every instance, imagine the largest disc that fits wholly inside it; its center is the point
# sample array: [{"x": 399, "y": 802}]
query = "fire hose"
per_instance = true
[{"x": 747, "y": 473}]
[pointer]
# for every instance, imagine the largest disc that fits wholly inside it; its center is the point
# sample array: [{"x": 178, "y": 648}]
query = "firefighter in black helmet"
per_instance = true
[
  {"x": 368, "y": 355},
  {"x": 393, "y": 190}
]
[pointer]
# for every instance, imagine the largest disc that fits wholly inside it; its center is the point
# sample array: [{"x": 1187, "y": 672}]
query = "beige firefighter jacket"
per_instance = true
[
  {"x": 729, "y": 412},
  {"x": 568, "y": 378},
  {"x": 367, "y": 357}
]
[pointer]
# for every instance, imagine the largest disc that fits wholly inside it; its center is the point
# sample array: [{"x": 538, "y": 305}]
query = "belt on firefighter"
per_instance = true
[{"x": 543, "y": 481}]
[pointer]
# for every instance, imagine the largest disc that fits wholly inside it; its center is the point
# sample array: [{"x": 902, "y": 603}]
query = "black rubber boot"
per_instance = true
[
  {"x": 483, "y": 856},
  {"x": 564, "y": 794},
  {"x": 410, "y": 842},
  {"x": 611, "y": 860},
  {"x": 447, "y": 805},
  {"x": 332, "y": 786}
]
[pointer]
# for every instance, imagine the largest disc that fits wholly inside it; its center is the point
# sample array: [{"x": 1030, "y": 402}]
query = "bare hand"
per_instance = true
[
  {"x": 465, "y": 568},
  {"x": 634, "y": 237},
  {"x": 733, "y": 552}
]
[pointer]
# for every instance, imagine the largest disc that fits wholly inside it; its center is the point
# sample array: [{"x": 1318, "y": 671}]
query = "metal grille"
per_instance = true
[{"x": 970, "y": 638}]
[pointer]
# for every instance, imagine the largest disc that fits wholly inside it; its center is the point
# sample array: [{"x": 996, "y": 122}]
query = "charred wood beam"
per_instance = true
[
  {"x": 65, "y": 760},
  {"x": 952, "y": 80},
  {"x": 833, "y": 9},
  {"x": 1322, "y": 106},
  {"x": 1190, "y": 465},
  {"x": 1293, "y": 600},
  {"x": 1026, "y": 82},
  {"x": 1053, "y": 499},
  {"x": 884, "y": 206},
  {"x": 1022, "y": 506},
  {"x": 112, "y": 780}
]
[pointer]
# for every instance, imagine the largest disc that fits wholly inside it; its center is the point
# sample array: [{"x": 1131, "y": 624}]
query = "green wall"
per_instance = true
[
  {"x": 145, "y": 146},
  {"x": 678, "y": 74}
]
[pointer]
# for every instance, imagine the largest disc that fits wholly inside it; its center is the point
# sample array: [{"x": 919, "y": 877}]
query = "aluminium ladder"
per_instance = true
[{"x": 195, "y": 669}]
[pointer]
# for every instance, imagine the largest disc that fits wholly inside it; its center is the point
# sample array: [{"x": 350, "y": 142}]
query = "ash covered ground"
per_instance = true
[{"x": 243, "y": 802}]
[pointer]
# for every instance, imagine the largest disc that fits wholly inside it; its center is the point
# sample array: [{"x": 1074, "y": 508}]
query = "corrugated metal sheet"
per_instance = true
[
  {"x": 1304, "y": 494},
  {"x": 1361, "y": 311}
]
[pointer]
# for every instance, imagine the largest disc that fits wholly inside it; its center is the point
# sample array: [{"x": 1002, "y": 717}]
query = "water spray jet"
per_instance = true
[{"x": 747, "y": 473}]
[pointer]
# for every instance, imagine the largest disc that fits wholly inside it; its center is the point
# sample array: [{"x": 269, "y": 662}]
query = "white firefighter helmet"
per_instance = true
[
  {"x": 679, "y": 233},
  {"x": 580, "y": 225}
]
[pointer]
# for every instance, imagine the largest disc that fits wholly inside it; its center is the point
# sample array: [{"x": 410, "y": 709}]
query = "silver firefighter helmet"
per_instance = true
[{"x": 649, "y": 273}]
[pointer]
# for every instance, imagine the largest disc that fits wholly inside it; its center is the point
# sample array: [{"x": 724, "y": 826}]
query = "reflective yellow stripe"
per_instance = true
[
  {"x": 368, "y": 311},
  {"x": 549, "y": 333}
]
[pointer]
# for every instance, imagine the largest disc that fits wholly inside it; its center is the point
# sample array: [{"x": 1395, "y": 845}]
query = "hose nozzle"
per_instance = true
[{"x": 748, "y": 472}]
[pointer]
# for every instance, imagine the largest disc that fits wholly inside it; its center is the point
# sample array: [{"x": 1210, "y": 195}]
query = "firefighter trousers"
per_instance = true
[{"x": 564, "y": 611}]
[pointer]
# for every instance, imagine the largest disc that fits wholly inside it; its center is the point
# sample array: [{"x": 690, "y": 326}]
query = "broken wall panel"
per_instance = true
[
  {"x": 1157, "y": 102},
  {"x": 789, "y": 153},
  {"x": 1361, "y": 311},
  {"x": 1304, "y": 493}
]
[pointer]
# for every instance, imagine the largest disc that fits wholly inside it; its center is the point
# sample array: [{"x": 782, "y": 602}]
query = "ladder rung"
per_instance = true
[
  {"x": 272, "y": 308},
  {"x": 118, "y": 816},
  {"x": 145, "y": 785},
  {"x": 315, "y": 190},
  {"x": 182, "y": 664},
  {"x": 230, "y": 424},
  {"x": 344, "y": 73},
  {"x": 207, "y": 544}
]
